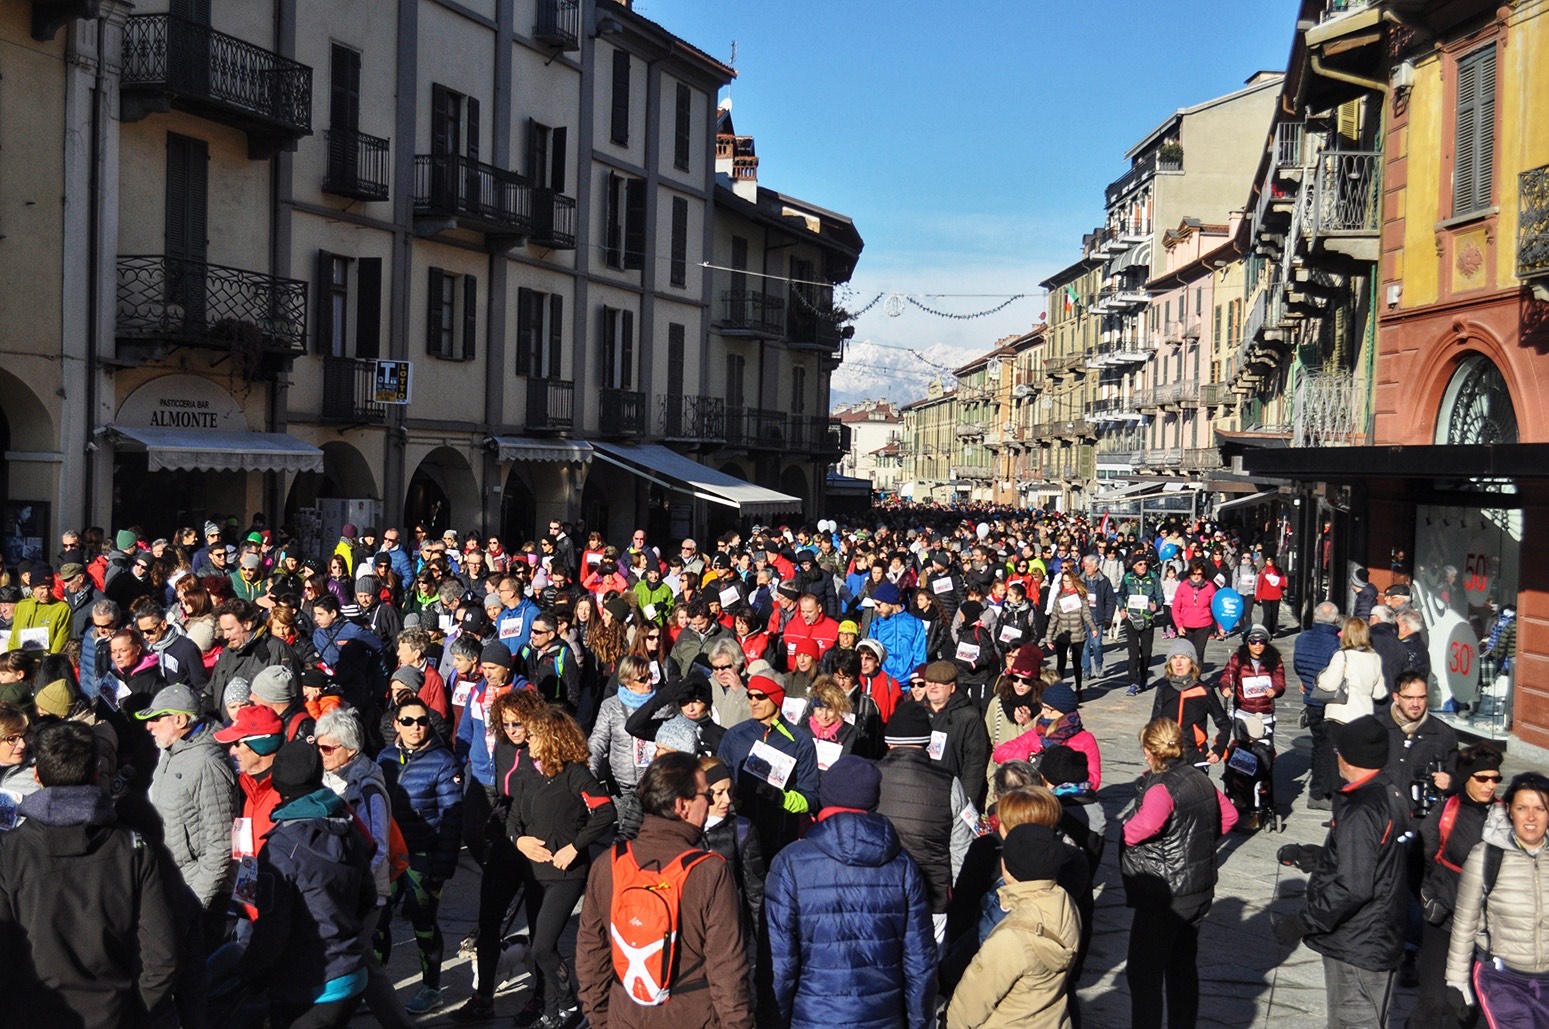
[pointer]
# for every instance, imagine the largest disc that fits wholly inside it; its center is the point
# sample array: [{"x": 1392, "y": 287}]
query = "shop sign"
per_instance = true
[
  {"x": 393, "y": 382},
  {"x": 181, "y": 402}
]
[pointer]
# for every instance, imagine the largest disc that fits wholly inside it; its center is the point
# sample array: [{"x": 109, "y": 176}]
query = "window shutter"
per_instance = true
[
  {"x": 552, "y": 361},
  {"x": 1484, "y": 156},
  {"x": 557, "y": 157},
  {"x": 1465, "y": 145},
  {"x": 675, "y": 358},
  {"x": 524, "y": 331},
  {"x": 620, "y": 133},
  {"x": 615, "y": 240},
  {"x": 471, "y": 132},
  {"x": 681, "y": 135},
  {"x": 536, "y": 165},
  {"x": 470, "y": 316},
  {"x": 323, "y": 341},
  {"x": 368, "y": 308},
  {"x": 634, "y": 224},
  {"x": 679, "y": 241},
  {"x": 609, "y": 352},
  {"x": 433, "y": 315},
  {"x": 443, "y": 128},
  {"x": 627, "y": 350},
  {"x": 186, "y": 222}
]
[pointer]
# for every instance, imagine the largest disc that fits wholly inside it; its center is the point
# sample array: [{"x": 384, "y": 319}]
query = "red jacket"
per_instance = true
[
  {"x": 884, "y": 692},
  {"x": 754, "y": 644},
  {"x": 1238, "y": 669},
  {"x": 824, "y": 632},
  {"x": 1271, "y": 590},
  {"x": 259, "y": 799}
]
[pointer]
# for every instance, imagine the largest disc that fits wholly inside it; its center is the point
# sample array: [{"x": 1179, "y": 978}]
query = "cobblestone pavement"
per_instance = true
[{"x": 1246, "y": 978}]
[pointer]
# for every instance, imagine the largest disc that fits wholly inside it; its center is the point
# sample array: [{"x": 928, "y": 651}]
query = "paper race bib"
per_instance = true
[
  {"x": 942, "y": 585},
  {"x": 769, "y": 764},
  {"x": 969, "y": 816},
  {"x": 656, "y": 672},
  {"x": 460, "y": 693},
  {"x": 245, "y": 889},
  {"x": 1091, "y": 601},
  {"x": 967, "y": 653},
  {"x": 730, "y": 597},
  {"x": 650, "y": 612},
  {"x": 35, "y": 638},
  {"x": 1009, "y": 634},
  {"x": 8, "y": 815},
  {"x": 511, "y": 628},
  {"x": 828, "y": 753},
  {"x": 868, "y": 602},
  {"x": 645, "y": 752},
  {"x": 1219, "y": 580},
  {"x": 242, "y": 838},
  {"x": 938, "y": 745},
  {"x": 1257, "y": 685},
  {"x": 1070, "y": 602},
  {"x": 1138, "y": 602},
  {"x": 447, "y": 623},
  {"x": 792, "y": 708}
]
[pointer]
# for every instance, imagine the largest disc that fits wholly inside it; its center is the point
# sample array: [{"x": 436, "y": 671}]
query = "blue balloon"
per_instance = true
[
  {"x": 1168, "y": 551},
  {"x": 1228, "y": 607}
]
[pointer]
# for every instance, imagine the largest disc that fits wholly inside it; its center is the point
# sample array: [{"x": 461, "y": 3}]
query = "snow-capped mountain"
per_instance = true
[{"x": 885, "y": 372}]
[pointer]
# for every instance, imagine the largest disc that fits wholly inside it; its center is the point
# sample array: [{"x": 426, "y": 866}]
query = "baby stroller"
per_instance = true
[{"x": 1249, "y": 777}]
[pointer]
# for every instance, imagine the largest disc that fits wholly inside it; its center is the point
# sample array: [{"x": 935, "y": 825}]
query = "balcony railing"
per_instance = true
[
  {"x": 1348, "y": 194},
  {"x": 809, "y": 319},
  {"x": 559, "y": 24},
  {"x": 831, "y": 439},
  {"x": 800, "y": 432},
  {"x": 688, "y": 417},
  {"x": 765, "y": 430},
  {"x": 752, "y": 311},
  {"x": 550, "y": 405},
  {"x": 1215, "y": 394},
  {"x": 972, "y": 472},
  {"x": 357, "y": 165},
  {"x": 1201, "y": 459},
  {"x": 169, "y": 299},
  {"x": 553, "y": 220},
  {"x": 1121, "y": 185},
  {"x": 1336, "y": 8},
  {"x": 1164, "y": 458},
  {"x": 1533, "y": 224},
  {"x": 349, "y": 391},
  {"x": 174, "y": 62},
  {"x": 477, "y": 195},
  {"x": 621, "y": 413}
]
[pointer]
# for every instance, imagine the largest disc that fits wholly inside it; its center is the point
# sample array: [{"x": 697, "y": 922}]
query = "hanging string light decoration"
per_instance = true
[{"x": 967, "y": 317}]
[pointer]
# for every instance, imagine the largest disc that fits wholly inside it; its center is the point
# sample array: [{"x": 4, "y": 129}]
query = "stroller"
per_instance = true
[{"x": 1249, "y": 776}]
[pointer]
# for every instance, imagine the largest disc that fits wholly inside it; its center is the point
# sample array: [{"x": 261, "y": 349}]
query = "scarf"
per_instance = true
[
  {"x": 1058, "y": 730},
  {"x": 831, "y": 733},
  {"x": 1409, "y": 727},
  {"x": 633, "y": 701}
]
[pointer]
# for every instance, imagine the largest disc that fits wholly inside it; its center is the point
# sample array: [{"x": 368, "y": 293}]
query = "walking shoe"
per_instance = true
[
  {"x": 1134, "y": 690},
  {"x": 423, "y": 1002},
  {"x": 564, "y": 1018},
  {"x": 474, "y": 1009},
  {"x": 1319, "y": 804},
  {"x": 531, "y": 1011}
]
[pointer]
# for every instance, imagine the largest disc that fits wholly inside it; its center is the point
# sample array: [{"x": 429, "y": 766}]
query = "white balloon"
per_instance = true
[{"x": 983, "y": 530}]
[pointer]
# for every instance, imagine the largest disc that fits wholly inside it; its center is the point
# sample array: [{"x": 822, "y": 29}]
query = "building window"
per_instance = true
[
  {"x": 618, "y": 348},
  {"x": 736, "y": 371},
  {"x": 333, "y": 304},
  {"x": 679, "y": 263},
  {"x": 540, "y": 319},
  {"x": 1473, "y": 168},
  {"x": 676, "y": 347},
  {"x": 1477, "y": 407},
  {"x": 682, "y": 121},
  {"x": 625, "y": 235},
  {"x": 620, "y": 134},
  {"x": 452, "y": 305},
  {"x": 546, "y": 155}
]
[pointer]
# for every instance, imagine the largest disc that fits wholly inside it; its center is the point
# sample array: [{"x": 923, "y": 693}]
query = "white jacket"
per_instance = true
[{"x": 1361, "y": 673}]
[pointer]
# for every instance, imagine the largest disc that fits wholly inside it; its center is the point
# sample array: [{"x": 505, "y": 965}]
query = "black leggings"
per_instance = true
[
  {"x": 421, "y": 897},
  {"x": 557, "y": 898},
  {"x": 1139, "y": 641},
  {"x": 1198, "y": 637},
  {"x": 1069, "y": 643},
  {"x": 505, "y": 872},
  {"x": 1271, "y": 615},
  {"x": 1163, "y": 961}
]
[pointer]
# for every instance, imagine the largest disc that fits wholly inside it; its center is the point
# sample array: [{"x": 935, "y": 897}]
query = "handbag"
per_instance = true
[{"x": 1322, "y": 696}]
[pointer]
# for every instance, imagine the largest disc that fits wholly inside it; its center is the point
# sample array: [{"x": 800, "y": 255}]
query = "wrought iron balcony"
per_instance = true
[
  {"x": 1291, "y": 146},
  {"x": 1202, "y": 459},
  {"x": 471, "y": 194},
  {"x": 799, "y": 433},
  {"x": 171, "y": 62},
  {"x": 171, "y": 300},
  {"x": 690, "y": 418},
  {"x": 559, "y": 24},
  {"x": 357, "y": 165},
  {"x": 621, "y": 413},
  {"x": 1533, "y": 224},
  {"x": 809, "y": 319},
  {"x": 553, "y": 220},
  {"x": 550, "y": 405},
  {"x": 972, "y": 473},
  {"x": 736, "y": 426},
  {"x": 1347, "y": 202},
  {"x": 349, "y": 391},
  {"x": 765, "y": 430},
  {"x": 751, "y": 312},
  {"x": 1142, "y": 169},
  {"x": 831, "y": 439},
  {"x": 1216, "y": 394}
]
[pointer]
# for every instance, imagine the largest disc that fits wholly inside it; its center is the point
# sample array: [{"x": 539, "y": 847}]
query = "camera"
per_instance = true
[{"x": 1423, "y": 791}]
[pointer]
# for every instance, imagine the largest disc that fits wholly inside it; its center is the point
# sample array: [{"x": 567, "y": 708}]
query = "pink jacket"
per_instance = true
[
  {"x": 1191, "y": 606},
  {"x": 1030, "y": 743}
]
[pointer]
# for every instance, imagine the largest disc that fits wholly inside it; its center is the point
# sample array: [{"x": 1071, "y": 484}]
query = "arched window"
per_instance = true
[{"x": 1477, "y": 406}]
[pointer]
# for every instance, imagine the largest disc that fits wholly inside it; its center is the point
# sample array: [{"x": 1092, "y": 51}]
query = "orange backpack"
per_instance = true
[{"x": 643, "y": 922}]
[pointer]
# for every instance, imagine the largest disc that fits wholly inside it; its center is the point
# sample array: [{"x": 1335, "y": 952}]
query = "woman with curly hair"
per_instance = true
[
  {"x": 556, "y": 817},
  {"x": 938, "y": 635}
]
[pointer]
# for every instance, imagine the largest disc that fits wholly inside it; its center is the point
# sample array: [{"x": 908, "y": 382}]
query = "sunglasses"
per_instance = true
[
  {"x": 327, "y": 748},
  {"x": 1027, "y": 679},
  {"x": 722, "y": 668},
  {"x": 1483, "y": 777},
  {"x": 757, "y": 696},
  {"x": 421, "y": 720},
  {"x": 510, "y": 725}
]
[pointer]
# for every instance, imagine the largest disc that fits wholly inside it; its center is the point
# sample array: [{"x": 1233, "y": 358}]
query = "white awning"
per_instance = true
[
  {"x": 521, "y": 448},
  {"x": 210, "y": 450},
  {"x": 1248, "y": 501},
  {"x": 673, "y": 471}
]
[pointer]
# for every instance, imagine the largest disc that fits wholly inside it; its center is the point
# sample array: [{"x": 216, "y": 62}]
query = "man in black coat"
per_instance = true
[
  {"x": 1416, "y": 741},
  {"x": 1356, "y": 911},
  {"x": 86, "y": 929},
  {"x": 958, "y": 739},
  {"x": 1385, "y": 641}
]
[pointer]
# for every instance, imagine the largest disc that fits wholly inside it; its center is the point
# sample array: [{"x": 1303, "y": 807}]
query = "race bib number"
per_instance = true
[
  {"x": 1091, "y": 601},
  {"x": 1070, "y": 602},
  {"x": 1138, "y": 602},
  {"x": 942, "y": 585},
  {"x": 656, "y": 672},
  {"x": 447, "y": 623},
  {"x": 8, "y": 815},
  {"x": 511, "y": 628},
  {"x": 645, "y": 752},
  {"x": 938, "y": 745},
  {"x": 1242, "y": 760},
  {"x": 35, "y": 638},
  {"x": 792, "y": 708},
  {"x": 828, "y": 753},
  {"x": 460, "y": 693},
  {"x": 1257, "y": 686},
  {"x": 769, "y": 764},
  {"x": 242, "y": 838},
  {"x": 967, "y": 653},
  {"x": 868, "y": 602},
  {"x": 730, "y": 597},
  {"x": 650, "y": 612},
  {"x": 1009, "y": 634},
  {"x": 245, "y": 889},
  {"x": 1219, "y": 580}
]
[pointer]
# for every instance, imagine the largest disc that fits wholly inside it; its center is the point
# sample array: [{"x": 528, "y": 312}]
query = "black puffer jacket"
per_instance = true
[
  {"x": 1356, "y": 896},
  {"x": 734, "y": 839},
  {"x": 917, "y": 799},
  {"x": 1177, "y": 867},
  {"x": 1444, "y": 864},
  {"x": 967, "y": 751}
]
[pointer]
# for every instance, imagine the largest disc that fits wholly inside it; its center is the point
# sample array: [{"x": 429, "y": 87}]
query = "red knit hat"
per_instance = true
[{"x": 768, "y": 687}]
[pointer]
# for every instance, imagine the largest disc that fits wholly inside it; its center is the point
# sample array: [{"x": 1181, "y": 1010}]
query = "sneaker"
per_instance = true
[
  {"x": 423, "y": 1002},
  {"x": 531, "y": 1012},
  {"x": 474, "y": 1009},
  {"x": 1133, "y": 691},
  {"x": 564, "y": 1018},
  {"x": 1319, "y": 804}
]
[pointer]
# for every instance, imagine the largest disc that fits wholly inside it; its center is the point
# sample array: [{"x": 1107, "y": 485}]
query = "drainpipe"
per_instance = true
[{"x": 1315, "y": 62}]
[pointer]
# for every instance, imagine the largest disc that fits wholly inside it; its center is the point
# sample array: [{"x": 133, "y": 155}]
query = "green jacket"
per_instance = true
[
  {"x": 54, "y": 616},
  {"x": 1148, "y": 586}
]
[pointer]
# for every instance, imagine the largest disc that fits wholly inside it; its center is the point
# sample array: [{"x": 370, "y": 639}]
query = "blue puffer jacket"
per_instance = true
[
  {"x": 426, "y": 788},
  {"x": 904, "y": 637},
  {"x": 850, "y": 934},
  {"x": 1315, "y": 648},
  {"x": 314, "y": 893}
]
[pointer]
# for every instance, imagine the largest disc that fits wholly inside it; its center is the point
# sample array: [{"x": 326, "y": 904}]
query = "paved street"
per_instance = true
[{"x": 1245, "y": 977}]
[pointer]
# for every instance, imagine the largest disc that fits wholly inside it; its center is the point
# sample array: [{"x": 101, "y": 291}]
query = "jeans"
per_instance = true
[
  {"x": 1092, "y": 655},
  {"x": 1139, "y": 641},
  {"x": 558, "y": 899},
  {"x": 1163, "y": 958},
  {"x": 1357, "y": 998}
]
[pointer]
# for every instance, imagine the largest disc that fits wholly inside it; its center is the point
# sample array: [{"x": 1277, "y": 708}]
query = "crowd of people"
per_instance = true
[{"x": 802, "y": 776}]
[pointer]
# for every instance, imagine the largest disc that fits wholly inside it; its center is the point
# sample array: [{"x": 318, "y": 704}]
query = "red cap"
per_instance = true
[
  {"x": 768, "y": 687},
  {"x": 252, "y": 721},
  {"x": 1028, "y": 660},
  {"x": 805, "y": 645}
]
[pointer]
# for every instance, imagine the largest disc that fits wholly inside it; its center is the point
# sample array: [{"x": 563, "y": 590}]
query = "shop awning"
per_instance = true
[
  {"x": 1468, "y": 461},
  {"x": 522, "y": 448},
  {"x": 671, "y": 470},
  {"x": 210, "y": 450},
  {"x": 1243, "y": 502}
]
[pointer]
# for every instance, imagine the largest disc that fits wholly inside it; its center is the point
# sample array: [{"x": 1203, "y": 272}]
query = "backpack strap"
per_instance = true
[
  {"x": 1449, "y": 818},
  {"x": 1492, "y": 869}
]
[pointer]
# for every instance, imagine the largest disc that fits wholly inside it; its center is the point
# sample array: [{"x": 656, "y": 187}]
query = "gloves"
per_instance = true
[
  {"x": 1301, "y": 856},
  {"x": 1289, "y": 931},
  {"x": 1460, "y": 999}
]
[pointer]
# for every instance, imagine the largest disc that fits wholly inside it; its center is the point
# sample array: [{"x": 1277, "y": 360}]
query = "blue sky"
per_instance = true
[{"x": 970, "y": 141}]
